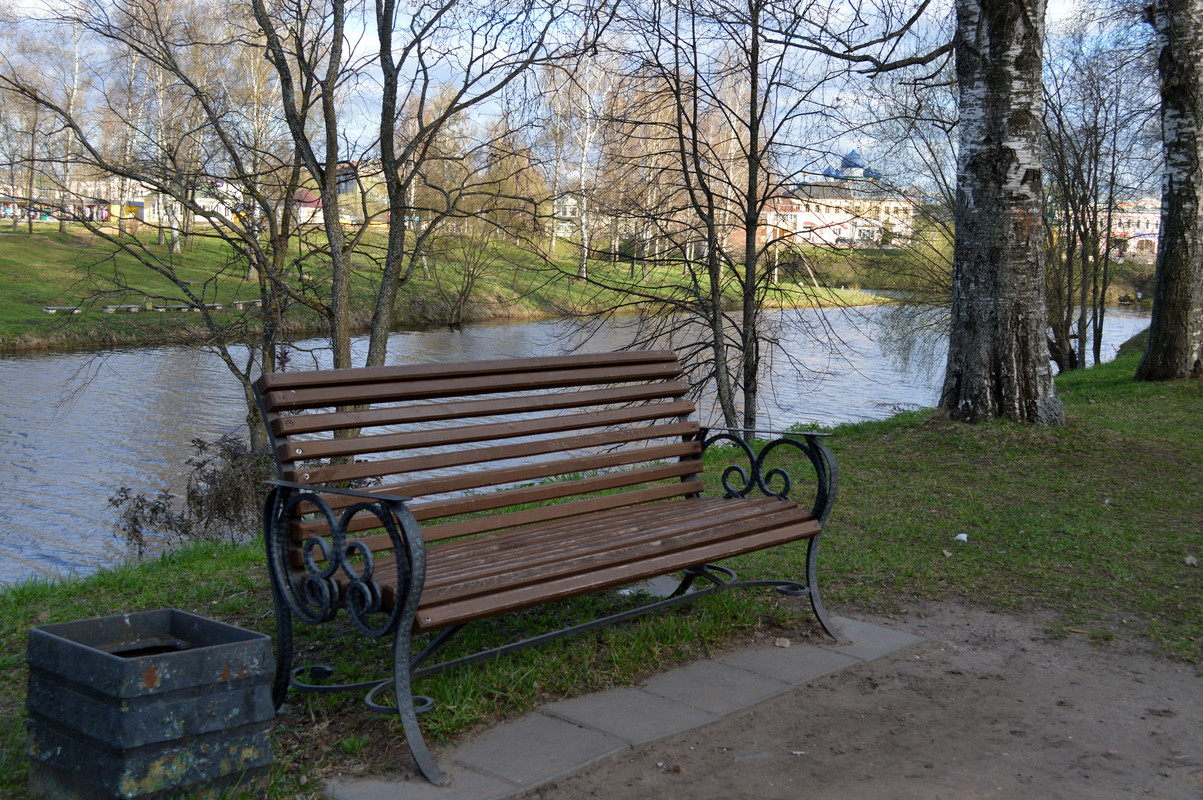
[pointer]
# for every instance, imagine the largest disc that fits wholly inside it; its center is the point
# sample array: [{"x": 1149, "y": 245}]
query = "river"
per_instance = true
[{"x": 75, "y": 427}]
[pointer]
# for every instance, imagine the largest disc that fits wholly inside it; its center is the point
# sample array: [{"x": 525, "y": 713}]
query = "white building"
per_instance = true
[
  {"x": 1136, "y": 229},
  {"x": 847, "y": 212}
]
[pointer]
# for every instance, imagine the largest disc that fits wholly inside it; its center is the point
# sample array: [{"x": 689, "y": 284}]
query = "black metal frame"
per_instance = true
[
  {"x": 314, "y": 596},
  {"x": 827, "y": 478}
]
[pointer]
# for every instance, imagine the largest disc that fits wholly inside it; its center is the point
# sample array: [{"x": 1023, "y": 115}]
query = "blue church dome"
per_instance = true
[{"x": 853, "y": 160}]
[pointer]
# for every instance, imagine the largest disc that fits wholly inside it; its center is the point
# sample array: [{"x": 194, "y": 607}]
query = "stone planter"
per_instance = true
[{"x": 144, "y": 704}]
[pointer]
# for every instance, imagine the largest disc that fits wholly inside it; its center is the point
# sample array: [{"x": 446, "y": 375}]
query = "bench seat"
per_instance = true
[{"x": 482, "y": 577}]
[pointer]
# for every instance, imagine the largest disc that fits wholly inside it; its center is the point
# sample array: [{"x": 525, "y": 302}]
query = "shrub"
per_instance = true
[{"x": 222, "y": 501}]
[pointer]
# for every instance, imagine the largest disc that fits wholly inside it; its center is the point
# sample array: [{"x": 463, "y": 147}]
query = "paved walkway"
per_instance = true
[{"x": 561, "y": 738}]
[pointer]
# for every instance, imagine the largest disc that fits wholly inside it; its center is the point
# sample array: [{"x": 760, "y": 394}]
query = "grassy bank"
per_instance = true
[
  {"x": 1093, "y": 522},
  {"x": 76, "y": 269}
]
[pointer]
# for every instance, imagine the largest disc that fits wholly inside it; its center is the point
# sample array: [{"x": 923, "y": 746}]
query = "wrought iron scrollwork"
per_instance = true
[
  {"x": 337, "y": 573},
  {"x": 313, "y": 593},
  {"x": 740, "y": 481}
]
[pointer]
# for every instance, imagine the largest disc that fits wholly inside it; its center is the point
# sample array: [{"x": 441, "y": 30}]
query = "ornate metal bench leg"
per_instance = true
[
  {"x": 402, "y": 665},
  {"x": 812, "y": 583},
  {"x": 271, "y": 510},
  {"x": 408, "y": 714},
  {"x": 283, "y": 649}
]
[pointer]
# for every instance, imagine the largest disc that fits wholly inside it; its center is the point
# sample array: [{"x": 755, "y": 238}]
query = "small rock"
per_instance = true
[
  {"x": 781, "y": 642},
  {"x": 962, "y": 537},
  {"x": 947, "y": 553},
  {"x": 1191, "y": 561}
]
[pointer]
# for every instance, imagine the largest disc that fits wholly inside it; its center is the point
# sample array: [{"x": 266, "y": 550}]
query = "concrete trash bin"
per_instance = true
[{"x": 143, "y": 704}]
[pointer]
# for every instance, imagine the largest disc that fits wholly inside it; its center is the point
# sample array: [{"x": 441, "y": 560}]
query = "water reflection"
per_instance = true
[{"x": 76, "y": 427}]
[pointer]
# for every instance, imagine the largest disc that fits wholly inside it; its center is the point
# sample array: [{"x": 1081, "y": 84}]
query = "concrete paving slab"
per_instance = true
[
  {"x": 632, "y": 715},
  {"x": 715, "y": 687},
  {"x": 795, "y": 665},
  {"x": 866, "y": 642},
  {"x": 465, "y": 785},
  {"x": 535, "y": 749},
  {"x": 567, "y": 736}
]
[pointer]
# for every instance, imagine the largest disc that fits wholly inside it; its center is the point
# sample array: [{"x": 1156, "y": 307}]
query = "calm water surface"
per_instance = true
[{"x": 75, "y": 427}]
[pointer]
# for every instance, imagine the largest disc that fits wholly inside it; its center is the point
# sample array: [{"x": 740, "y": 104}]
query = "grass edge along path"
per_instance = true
[{"x": 1094, "y": 522}]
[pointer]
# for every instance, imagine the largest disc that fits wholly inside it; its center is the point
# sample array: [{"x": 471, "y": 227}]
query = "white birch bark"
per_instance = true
[
  {"x": 998, "y": 363},
  {"x": 1175, "y": 344}
]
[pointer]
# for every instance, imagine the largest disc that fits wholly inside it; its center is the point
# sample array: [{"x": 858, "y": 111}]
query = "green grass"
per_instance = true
[
  {"x": 1092, "y": 522},
  {"x": 48, "y": 268}
]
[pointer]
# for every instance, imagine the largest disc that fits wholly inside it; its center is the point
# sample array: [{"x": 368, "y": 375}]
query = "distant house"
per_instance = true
[
  {"x": 566, "y": 216},
  {"x": 307, "y": 207},
  {"x": 1136, "y": 229},
  {"x": 361, "y": 184},
  {"x": 853, "y": 207},
  {"x": 220, "y": 197},
  {"x": 844, "y": 212}
]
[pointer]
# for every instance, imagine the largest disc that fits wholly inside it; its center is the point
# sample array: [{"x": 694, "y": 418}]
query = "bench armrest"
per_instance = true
[
  {"x": 321, "y": 489},
  {"x": 338, "y": 572},
  {"x": 775, "y": 481}
]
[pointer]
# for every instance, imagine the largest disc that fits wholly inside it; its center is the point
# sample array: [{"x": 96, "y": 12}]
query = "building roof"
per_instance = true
[{"x": 307, "y": 199}]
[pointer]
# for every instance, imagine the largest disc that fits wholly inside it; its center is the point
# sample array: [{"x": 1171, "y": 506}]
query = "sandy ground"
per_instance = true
[{"x": 988, "y": 706}]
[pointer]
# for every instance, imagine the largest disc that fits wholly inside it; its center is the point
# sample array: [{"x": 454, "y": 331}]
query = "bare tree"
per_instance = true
[
  {"x": 1097, "y": 112},
  {"x": 724, "y": 106},
  {"x": 241, "y": 172},
  {"x": 435, "y": 61}
]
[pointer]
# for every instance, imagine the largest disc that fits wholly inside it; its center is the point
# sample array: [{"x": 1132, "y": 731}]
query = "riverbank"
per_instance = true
[
  {"x": 55, "y": 289},
  {"x": 1090, "y": 526}
]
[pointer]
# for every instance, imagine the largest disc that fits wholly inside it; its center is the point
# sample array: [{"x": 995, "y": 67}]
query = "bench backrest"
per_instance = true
[{"x": 487, "y": 445}]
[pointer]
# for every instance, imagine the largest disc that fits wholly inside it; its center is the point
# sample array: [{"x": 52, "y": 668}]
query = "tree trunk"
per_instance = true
[
  {"x": 33, "y": 140},
  {"x": 1175, "y": 344},
  {"x": 750, "y": 356},
  {"x": 582, "y": 269},
  {"x": 997, "y": 355}
]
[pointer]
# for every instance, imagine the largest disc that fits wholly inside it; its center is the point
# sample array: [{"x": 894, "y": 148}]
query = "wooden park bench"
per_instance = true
[{"x": 425, "y": 497}]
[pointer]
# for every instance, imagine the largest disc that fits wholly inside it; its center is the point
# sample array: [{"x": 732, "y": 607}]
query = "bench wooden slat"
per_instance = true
[
  {"x": 438, "y": 509},
  {"x": 618, "y": 521},
  {"x": 362, "y": 470},
  {"x": 489, "y": 605},
  {"x": 739, "y": 526},
  {"x": 436, "y": 533},
  {"x": 489, "y": 383},
  {"x": 596, "y": 553},
  {"x": 461, "y": 481},
  {"x": 276, "y": 381},
  {"x": 547, "y": 535},
  {"x": 480, "y": 479},
  {"x": 482, "y": 558},
  {"x": 554, "y": 490},
  {"x": 467, "y": 409},
  {"x": 466, "y": 434},
  {"x": 497, "y": 522}
]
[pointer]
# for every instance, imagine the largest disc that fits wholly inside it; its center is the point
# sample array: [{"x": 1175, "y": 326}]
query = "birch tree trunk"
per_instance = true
[
  {"x": 30, "y": 172},
  {"x": 1175, "y": 344},
  {"x": 998, "y": 362}
]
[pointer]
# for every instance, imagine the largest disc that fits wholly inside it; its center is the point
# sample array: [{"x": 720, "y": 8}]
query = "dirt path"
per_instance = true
[{"x": 988, "y": 706}]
